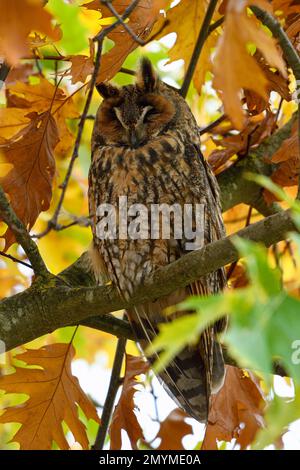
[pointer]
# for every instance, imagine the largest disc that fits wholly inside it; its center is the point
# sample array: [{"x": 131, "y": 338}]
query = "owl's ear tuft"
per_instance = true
[
  {"x": 106, "y": 90},
  {"x": 147, "y": 78}
]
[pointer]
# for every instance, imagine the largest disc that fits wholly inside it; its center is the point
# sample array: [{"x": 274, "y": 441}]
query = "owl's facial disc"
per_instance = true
[{"x": 135, "y": 130}]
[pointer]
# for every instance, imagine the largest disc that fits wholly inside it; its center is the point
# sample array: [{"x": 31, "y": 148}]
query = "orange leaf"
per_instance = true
[
  {"x": 236, "y": 411},
  {"x": 289, "y": 148},
  {"x": 187, "y": 32},
  {"x": 42, "y": 97},
  {"x": 82, "y": 65},
  {"x": 124, "y": 416},
  {"x": 234, "y": 68},
  {"x": 173, "y": 429},
  {"x": 29, "y": 181},
  {"x": 54, "y": 397},
  {"x": 18, "y": 18},
  {"x": 141, "y": 22}
]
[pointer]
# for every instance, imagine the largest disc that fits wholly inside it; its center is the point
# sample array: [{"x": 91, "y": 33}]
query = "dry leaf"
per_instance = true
[
  {"x": 187, "y": 32},
  {"x": 287, "y": 158},
  {"x": 124, "y": 416},
  {"x": 256, "y": 104},
  {"x": 286, "y": 7},
  {"x": 82, "y": 65},
  {"x": 257, "y": 129},
  {"x": 54, "y": 397},
  {"x": 29, "y": 182},
  {"x": 141, "y": 22},
  {"x": 236, "y": 411},
  {"x": 173, "y": 429},
  {"x": 234, "y": 68},
  {"x": 289, "y": 148},
  {"x": 18, "y": 18},
  {"x": 42, "y": 97},
  {"x": 12, "y": 121}
]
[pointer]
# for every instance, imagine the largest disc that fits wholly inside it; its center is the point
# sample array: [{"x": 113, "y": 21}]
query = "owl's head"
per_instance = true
[{"x": 134, "y": 114}]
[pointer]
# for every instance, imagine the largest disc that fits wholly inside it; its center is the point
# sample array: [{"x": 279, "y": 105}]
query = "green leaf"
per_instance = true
[
  {"x": 75, "y": 34},
  {"x": 262, "y": 276}
]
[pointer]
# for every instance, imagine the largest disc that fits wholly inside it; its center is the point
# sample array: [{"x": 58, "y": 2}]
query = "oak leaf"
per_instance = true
[
  {"x": 288, "y": 160},
  {"x": 141, "y": 22},
  {"x": 234, "y": 68},
  {"x": 29, "y": 182},
  {"x": 42, "y": 97},
  {"x": 54, "y": 397},
  {"x": 258, "y": 128},
  {"x": 12, "y": 121},
  {"x": 124, "y": 416},
  {"x": 187, "y": 32},
  {"x": 173, "y": 429},
  {"x": 236, "y": 411},
  {"x": 18, "y": 18},
  {"x": 82, "y": 65}
]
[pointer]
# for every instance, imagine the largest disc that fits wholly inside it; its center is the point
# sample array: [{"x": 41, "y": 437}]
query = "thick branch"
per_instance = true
[{"x": 40, "y": 310}]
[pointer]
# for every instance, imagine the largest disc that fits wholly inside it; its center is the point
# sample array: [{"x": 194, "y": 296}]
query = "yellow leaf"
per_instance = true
[{"x": 187, "y": 32}]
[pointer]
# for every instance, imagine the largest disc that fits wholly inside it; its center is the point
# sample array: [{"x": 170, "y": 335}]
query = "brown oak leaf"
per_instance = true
[
  {"x": 54, "y": 397},
  {"x": 124, "y": 416}
]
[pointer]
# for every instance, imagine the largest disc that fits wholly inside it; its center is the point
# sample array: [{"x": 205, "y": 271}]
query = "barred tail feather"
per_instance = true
[{"x": 186, "y": 378}]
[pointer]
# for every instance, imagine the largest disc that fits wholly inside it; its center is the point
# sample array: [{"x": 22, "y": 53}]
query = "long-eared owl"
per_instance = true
[{"x": 146, "y": 152}]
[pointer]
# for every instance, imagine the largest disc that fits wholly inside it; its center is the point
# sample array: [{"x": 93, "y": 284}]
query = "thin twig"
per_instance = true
[
  {"x": 216, "y": 25},
  {"x": 212, "y": 125},
  {"x": 127, "y": 71},
  {"x": 203, "y": 33},
  {"x": 111, "y": 395},
  {"x": 121, "y": 21},
  {"x": 9, "y": 216},
  {"x": 15, "y": 260},
  {"x": 124, "y": 17}
]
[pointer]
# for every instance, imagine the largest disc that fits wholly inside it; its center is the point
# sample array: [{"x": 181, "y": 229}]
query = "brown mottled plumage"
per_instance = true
[{"x": 146, "y": 146}]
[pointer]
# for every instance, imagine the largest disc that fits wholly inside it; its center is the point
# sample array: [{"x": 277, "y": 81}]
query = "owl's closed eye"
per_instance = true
[{"x": 132, "y": 115}]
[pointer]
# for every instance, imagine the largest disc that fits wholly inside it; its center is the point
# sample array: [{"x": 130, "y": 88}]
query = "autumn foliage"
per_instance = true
[{"x": 243, "y": 91}]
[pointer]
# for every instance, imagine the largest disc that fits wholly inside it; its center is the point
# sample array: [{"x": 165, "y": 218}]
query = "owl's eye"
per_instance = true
[
  {"x": 117, "y": 114},
  {"x": 149, "y": 113}
]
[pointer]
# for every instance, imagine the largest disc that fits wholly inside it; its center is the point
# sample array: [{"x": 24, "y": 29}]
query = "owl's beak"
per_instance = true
[{"x": 134, "y": 139}]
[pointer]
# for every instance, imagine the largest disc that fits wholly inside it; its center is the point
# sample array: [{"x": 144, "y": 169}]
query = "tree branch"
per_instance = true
[
  {"x": 22, "y": 236},
  {"x": 40, "y": 310}
]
